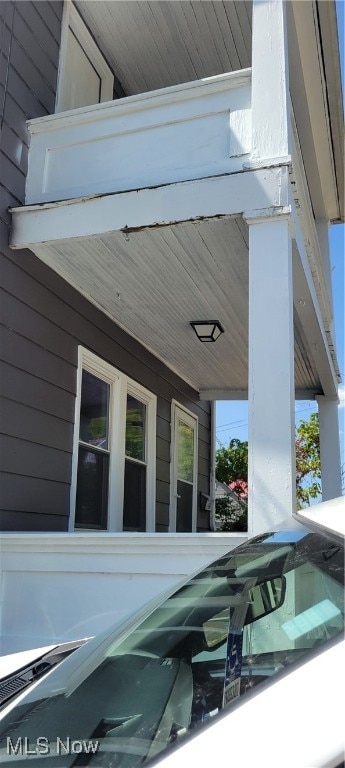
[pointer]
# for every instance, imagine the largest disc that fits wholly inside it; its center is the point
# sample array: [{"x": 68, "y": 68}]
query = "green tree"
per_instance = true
[
  {"x": 232, "y": 462},
  {"x": 308, "y": 467},
  {"x": 232, "y": 469}
]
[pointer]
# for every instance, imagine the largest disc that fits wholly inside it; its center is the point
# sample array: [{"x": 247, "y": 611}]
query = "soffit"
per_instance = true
[
  {"x": 154, "y": 282},
  {"x": 315, "y": 88},
  {"x": 331, "y": 59}
]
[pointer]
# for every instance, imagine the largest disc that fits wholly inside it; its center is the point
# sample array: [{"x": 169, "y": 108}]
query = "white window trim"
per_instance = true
[
  {"x": 191, "y": 419},
  {"x": 120, "y": 384},
  {"x": 71, "y": 19}
]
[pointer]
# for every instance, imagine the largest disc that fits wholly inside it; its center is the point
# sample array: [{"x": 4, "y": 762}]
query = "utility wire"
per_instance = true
[{"x": 241, "y": 423}]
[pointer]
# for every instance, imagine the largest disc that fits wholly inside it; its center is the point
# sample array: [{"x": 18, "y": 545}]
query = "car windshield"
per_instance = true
[{"x": 122, "y": 699}]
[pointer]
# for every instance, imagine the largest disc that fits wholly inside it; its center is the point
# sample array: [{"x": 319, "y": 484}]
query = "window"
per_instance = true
[
  {"x": 113, "y": 478},
  {"x": 84, "y": 76},
  {"x": 184, "y": 470}
]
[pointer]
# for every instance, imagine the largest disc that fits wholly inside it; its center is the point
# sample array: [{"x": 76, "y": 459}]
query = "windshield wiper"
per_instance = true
[{"x": 13, "y": 684}]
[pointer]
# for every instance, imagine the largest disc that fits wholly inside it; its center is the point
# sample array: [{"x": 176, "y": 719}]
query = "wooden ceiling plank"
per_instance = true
[
  {"x": 244, "y": 29},
  {"x": 237, "y": 35},
  {"x": 185, "y": 19},
  {"x": 228, "y": 37},
  {"x": 149, "y": 45},
  {"x": 173, "y": 42},
  {"x": 200, "y": 22},
  {"x": 212, "y": 21}
]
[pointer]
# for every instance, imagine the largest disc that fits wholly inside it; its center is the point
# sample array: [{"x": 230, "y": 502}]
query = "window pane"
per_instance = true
[
  {"x": 94, "y": 411},
  {"x": 185, "y": 452},
  {"x": 135, "y": 429},
  {"x": 134, "y": 503},
  {"x": 92, "y": 489},
  {"x": 184, "y": 510}
]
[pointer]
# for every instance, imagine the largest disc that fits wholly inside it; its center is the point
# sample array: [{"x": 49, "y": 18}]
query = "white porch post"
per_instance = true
[
  {"x": 271, "y": 459},
  {"x": 329, "y": 447},
  {"x": 270, "y": 83}
]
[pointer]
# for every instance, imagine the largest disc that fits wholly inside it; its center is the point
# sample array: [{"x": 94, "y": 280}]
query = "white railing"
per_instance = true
[
  {"x": 187, "y": 131},
  {"x": 63, "y": 586}
]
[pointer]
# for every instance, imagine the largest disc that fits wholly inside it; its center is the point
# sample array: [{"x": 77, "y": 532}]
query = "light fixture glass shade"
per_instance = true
[{"x": 207, "y": 330}]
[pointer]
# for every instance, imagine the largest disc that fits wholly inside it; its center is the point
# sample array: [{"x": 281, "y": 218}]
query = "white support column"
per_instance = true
[
  {"x": 270, "y": 82},
  {"x": 329, "y": 448},
  {"x": 271, "y": 465}
]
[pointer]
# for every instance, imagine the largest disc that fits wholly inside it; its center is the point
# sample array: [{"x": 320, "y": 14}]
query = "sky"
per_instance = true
[{"x": 232, "y": 417}]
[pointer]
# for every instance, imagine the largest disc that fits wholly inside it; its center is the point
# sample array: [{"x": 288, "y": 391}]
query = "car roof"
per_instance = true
[{"x": 329, "y": 516}]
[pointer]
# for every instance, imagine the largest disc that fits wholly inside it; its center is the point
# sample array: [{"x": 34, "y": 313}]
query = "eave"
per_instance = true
[{"x": 330, "y": 53}]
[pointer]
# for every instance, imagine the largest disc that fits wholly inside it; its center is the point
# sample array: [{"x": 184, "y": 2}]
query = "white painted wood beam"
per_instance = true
[
  {"x": 271, "y": 438},
  {"x": 329, "y": 448},
  {"x": 309, "y": 312},
  {"x": 270, "y": 83},
  {"x": 223, "y": 394},
  {"x": 242, "y": 394},
  {"x": 322, "y": 229},
  {"x": 312, "y": 280},
  {"x": 315, "y": 233},
  {"x": 151, "y": 207}
]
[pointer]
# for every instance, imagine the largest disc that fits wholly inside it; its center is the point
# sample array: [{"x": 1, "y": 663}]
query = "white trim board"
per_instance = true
[
  {"x": 212, "y": 197},
  {"x": 72, "y": 21}
]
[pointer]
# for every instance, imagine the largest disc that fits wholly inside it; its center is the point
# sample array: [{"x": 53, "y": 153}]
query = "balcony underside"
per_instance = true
[{"x": 153, "y": 282}]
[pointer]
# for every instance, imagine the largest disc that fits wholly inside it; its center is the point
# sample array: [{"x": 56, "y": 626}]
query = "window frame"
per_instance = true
[
  {"x": 120, "y": 385},
  {"x": 191, "y": 420},
  {"x": 71, "y": 20}
]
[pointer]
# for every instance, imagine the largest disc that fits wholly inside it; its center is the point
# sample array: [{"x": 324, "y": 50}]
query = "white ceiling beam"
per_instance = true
[
  {"x": 213, "y": 197},
  {"x": 223, "y": 394},
  {"x": 308, "y": 309},
  {"x": 242, "y": 394}
]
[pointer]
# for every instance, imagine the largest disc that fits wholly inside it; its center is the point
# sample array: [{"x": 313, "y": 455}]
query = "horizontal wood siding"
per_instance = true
[
  {"x": 43, "y": 319},
  {"x": 37, "y": 384}
]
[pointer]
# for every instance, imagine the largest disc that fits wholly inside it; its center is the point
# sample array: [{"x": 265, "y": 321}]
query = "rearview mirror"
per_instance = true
[
  {"x": 265, "y": 598},
  {"x": 261, "y": 600}
]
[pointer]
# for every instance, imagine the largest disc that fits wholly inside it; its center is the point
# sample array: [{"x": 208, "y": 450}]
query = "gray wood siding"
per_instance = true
[{"x": 43, "y": 320}]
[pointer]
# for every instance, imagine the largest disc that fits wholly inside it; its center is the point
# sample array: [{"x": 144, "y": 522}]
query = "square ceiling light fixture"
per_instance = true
[{"x": 207, "y": 330}]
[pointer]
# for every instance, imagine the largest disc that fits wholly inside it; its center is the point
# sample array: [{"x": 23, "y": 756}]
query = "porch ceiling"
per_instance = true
[
  {"x": 154, "y": 282},
  {"x": 155, "y": 44}
]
